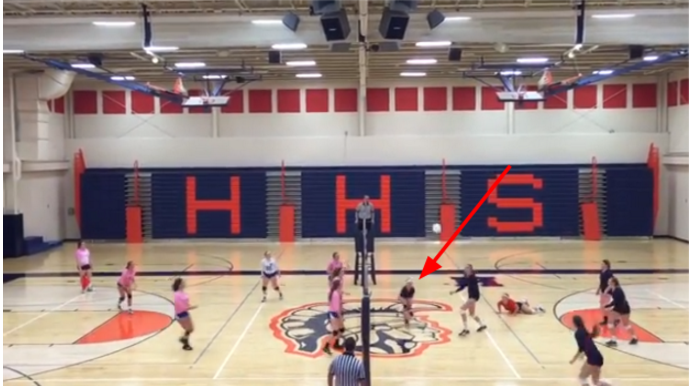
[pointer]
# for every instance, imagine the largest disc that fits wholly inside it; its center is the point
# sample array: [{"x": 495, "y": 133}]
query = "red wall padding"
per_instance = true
[
  {"x": 614, "y": 96},
  {"x": 260, "y": 101},
  {"x": 289, "y": 101},
  {"x": 434, "y": 99},
  {"x": 406, "y": 99},
  {"x": 557, "y": 101},
  {"x": 140, "y": 103},
  {"x": 167, "y": 107},
  {"x": 489, "y": 99},
  {"x": 377, "y": 100},
  {"x": 236, "y": 105},
  {"x": 85, "y": 102},
  {"x": 644, "y": 95},
  {"x": 684, "y": 91},
  {"x": 114, "y": 102},
  {"x": 346, "y": 100},
  {"x": 198, "y": 110},
  {"x": 58, "y": 105},
  {"x": 585, "y": 97},
  {"x": 672, "y": 89},
  {"x": 317, "y": 100},
  {"x": 463, "y": 98}
]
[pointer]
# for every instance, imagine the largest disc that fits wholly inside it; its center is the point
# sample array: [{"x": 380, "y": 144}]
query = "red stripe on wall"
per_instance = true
[
  {"x": 140, "y": 103},
  {"x": 198, "y": 110},
  {"x": 85, "y": 102},
  {"x": 346, "y": 100},
  {"x": 644, "y": 95},
  {"x": 463, "y": 98},
  {"x": 434, "y": 99},
  {"x": 585, "y": 97},
  {"x": 684, "y": 91},
  {"x": 236, "y": 105},
  {"x": 260, "y": 101},
  {"x": 557, "y": 101},
  {"x": 289, "y": 101},
  {"x": 614, "y": 96},
  {"x": 489, "y": 99},
  {"x": 114, "y": 102},
  {"x": 59, "y": 105},
  {"x": 377, "y": 100},
  {"x": 527, "y": 105},
  {"x": 317, "y": 100},
  {"x": 406, "y": 99},
  {"x": 672, "y": 89}
]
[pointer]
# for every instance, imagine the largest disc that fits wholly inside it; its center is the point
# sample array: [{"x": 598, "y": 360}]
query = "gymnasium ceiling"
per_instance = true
[{"x": 220, "y": 33}]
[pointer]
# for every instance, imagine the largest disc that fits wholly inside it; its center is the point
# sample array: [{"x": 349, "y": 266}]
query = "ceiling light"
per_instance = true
[
  {"x": 603, "y": 72},
  {"x": 114, "y": 24},
  {"x": 190, "y": 65},
  {"x": 413, "y": 74},
  {"x": 433, "y": 44},
  {"x": 266, "y": 22},
  {"x": 214, "y": 77},
  {"x": 82, "y": 65},
  {"x": 457, "y": 18},
  {"x": 309, "y": 75},
  {"x": 289, "y": 46},
  {"x": 650, "y": 58},
  {"x": 301, "y": 63},
  {"x": 122, "y": 78},
  {"x": 613, "y": 16},
  {"x": 422, "y": 61},
  {"x": 160, "y": 48},
  {"x": 12, "y": 51},
  {"x": 510, "y": 73},
  {"x": 532, "y": 60}
]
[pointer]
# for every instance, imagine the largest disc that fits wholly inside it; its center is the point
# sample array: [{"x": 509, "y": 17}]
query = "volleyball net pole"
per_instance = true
[{"x": 365, "y": 307}]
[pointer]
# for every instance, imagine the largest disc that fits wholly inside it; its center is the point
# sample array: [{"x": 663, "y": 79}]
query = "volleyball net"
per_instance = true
[{"x": 365, "y": 262}]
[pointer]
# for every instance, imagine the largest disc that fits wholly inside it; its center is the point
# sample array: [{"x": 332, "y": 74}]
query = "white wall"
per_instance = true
[
  {"x": 677, "y": 163},
  {"x": 40, "y": 195}
]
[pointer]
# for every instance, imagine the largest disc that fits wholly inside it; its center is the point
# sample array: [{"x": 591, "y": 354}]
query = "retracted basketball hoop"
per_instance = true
[
  {"x": 206, "y": 101},
  {"x": 520, "y": 96}
]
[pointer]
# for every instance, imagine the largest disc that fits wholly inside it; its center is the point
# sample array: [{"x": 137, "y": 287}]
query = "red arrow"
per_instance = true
[{"x": 432, "y": 264}]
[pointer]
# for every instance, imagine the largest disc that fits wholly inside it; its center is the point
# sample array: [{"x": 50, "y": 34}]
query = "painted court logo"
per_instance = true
[{"x": 304, "y": 329}]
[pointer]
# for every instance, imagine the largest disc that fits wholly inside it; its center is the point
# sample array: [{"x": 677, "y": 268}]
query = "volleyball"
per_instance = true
[{"x": 437, "y": 228}]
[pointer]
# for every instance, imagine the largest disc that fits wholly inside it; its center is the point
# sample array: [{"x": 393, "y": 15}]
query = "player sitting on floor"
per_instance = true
[{"x": 513, "y": 308}]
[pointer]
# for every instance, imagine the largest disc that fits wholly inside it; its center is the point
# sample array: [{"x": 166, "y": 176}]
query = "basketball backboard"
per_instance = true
[
  {"x": 206, "y": 101},
  {"x": 523, "y": 96}
]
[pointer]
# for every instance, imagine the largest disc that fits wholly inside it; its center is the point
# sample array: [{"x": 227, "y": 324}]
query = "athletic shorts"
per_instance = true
[
  {"x": 183, "y": 315},
  {"x": 269, "y": 275},
  {"x": 334, "y": 315},
  {"x": 85, "y": 267}
]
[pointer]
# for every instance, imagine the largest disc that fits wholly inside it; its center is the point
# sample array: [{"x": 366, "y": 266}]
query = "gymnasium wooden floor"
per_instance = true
[{"x": 53, "y": 335}]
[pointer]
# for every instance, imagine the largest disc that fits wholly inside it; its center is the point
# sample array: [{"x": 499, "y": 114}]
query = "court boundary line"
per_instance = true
[
  {"x": 238, "y": 341},
  {"x": 321, "y": 379},
  {"x": 40, "y": 316}
]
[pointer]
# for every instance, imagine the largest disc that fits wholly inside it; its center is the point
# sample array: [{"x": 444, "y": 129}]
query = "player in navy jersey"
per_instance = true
[
  {"x": 586, "y": 346},
  {"x": 406, "y": 298},
  {"x": 470, "y": 282},
  {"x": 619, "y": 313},
  {"x": 603, "y": 290}
]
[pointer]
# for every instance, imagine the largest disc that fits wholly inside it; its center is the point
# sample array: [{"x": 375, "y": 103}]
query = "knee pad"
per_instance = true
[
  {"x": 264, "y": 288},
  {"x": 277, "y": 288},
  {"x": 129, "y": 296},
  {"x": 335, "y": 333},
  {"x": 342, "y": 330},
  {"x": 121, "y": 299}
]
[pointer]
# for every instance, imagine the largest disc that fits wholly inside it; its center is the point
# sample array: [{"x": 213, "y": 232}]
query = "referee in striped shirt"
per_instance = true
[{"x": 347, "y": 369}]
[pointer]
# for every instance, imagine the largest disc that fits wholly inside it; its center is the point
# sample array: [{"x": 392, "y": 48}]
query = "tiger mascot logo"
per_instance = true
[{"x": 304, "y": 329}]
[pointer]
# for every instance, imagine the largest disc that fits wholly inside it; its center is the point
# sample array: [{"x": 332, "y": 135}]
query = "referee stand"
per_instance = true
[{"x": 364, "y": 245}]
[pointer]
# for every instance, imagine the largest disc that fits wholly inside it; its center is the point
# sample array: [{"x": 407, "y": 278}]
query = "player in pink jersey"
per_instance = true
[
  {"x": 125, "y": 285},
  {"x": 336, "y": 314},
  {"x": 182, "y": 309},
  {"x": 83, "y": 257},
  {"x": 335, "y": 264}
]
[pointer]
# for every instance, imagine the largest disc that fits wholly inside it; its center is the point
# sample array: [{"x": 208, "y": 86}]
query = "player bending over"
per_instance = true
[
  {"x": 407, "y": 299},
  {"x": 513, "y": 307}
]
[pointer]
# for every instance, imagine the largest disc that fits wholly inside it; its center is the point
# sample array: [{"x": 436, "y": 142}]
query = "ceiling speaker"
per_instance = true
[
  {"x": 435, "y": 18},
  {"x": 636, "y": 52},
  {"x": 291, "y": 21},
  {"x": 455, "y": 55},
  {"x": 393, "y": 24},
  {"x": 274, "y": 57},
  {"x": 336, "y": 25}
]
